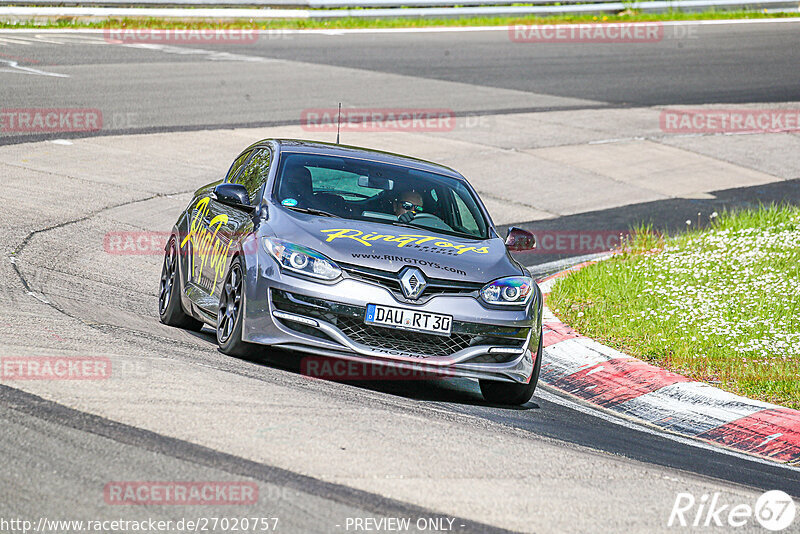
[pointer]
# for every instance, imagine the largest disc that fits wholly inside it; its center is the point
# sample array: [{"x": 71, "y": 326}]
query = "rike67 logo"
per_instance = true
[{"x": 774, "y": 510}]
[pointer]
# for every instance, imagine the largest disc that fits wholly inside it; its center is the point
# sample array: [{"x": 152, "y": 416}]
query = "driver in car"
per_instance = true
[{"x": 407, "y": 205}]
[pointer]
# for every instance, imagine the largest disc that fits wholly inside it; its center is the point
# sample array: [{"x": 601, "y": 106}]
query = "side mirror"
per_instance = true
[
  {"x": 518, "y": 240},
  {"x": 233, "y": 195}
]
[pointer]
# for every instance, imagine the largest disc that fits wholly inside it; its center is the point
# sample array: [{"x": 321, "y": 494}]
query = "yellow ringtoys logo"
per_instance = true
[
  {"x": 205, "y": 242},
  {"x": 402, "y": 240}
]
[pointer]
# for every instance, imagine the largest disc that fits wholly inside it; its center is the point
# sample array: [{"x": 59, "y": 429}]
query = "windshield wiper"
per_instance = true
[
  {"x": 421, "y": 227},
  {"x": 404, "y": 225},
  {"x": 312, "y": 211}
]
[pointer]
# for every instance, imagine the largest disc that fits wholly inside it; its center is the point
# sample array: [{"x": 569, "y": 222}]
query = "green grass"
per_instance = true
[
  {"x": 351, "y": 22},
  {"x": 720, "y": 304}
]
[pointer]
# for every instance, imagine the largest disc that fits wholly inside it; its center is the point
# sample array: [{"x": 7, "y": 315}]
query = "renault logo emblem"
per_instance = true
[{"x": 412, "y": 282}]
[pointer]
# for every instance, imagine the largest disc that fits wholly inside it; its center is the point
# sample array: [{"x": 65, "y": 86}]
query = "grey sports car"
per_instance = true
[{"x": 359, "y": 255}]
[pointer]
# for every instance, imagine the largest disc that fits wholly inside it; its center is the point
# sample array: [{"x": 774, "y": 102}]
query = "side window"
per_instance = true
[
  {"x": 255, "y": 174},
  {"x": 468, "y": 221},
  {"x": 340, "y": 182},
  {"x": 236, "y": 166}
]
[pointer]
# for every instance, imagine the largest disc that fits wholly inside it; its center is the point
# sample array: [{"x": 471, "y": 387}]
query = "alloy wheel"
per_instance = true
[
  {"x": 167, "y": 277},
  {"x": 229, "y": 304}
]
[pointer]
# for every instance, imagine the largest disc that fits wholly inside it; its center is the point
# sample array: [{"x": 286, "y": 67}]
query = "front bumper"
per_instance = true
[{"x": 328, "y": 320}]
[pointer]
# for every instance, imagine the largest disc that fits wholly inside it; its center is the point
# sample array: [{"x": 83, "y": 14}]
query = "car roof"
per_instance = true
[{"x": 332, "y": 149}]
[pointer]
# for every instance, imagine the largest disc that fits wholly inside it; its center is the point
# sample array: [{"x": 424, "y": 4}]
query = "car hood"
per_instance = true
[{"x": 390, "y": 248}]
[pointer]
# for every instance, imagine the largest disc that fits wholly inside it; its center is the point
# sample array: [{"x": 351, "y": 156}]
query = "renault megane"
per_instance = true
[{"x": 356, "y": 254}]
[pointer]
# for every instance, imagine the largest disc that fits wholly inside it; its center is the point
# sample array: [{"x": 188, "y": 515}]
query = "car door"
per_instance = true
[
  {"x": 206, "y": 220},
  {"x": 230, "y": 224}
]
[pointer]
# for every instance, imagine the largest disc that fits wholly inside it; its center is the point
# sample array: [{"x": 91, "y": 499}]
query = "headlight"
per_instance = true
[
  {"x": 301, "y": 259},
  {"x": 511, "y": 291}
]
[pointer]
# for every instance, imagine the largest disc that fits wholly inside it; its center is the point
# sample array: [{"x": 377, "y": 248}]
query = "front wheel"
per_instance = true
[
  {"x": 230, "y": 312},
  {"x": 513, "y": 394}
]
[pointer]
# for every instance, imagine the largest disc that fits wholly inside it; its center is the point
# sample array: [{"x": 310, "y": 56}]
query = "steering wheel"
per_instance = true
[{"x": 426, "y": 216}]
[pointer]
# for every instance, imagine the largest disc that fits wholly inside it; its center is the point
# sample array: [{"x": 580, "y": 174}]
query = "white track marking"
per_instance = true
[
  {"x": 211, "y": 55},
  {"x": 595, "y": 370},
  {"x": 570, "y": 356},
  {"x": 690, "y": 407},
  {"x": 13, "y": 66},
  {"x": 770, "y": 438},
  {"x": 67, "y": 39},
  {"x": 557, "y": 399},
  {"x": 441, "y": 29},
  {"x": 8, "y": 40}
]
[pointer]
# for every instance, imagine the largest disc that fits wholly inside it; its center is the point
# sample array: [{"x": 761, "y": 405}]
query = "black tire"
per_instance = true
[
  {"x": 498, "y": 392},
  {"x": 229, "y": 316},
  {"x": 170, "y": 309}
]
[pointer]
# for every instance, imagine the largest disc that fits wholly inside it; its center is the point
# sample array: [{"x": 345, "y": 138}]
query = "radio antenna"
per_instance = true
[{"x": 339, "y": 123}]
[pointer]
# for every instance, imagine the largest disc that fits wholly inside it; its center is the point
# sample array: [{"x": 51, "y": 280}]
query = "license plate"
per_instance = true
[{"x": 432, "y": 323}]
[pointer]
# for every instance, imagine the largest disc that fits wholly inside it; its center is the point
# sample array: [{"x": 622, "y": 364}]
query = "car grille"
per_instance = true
[
  {"x": 350, "y": 320},
  {"x": 412, "y": 343},
  {"x": 391, "y": 281}
]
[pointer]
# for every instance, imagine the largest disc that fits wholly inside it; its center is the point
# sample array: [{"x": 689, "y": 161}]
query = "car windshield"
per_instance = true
[{"x": 379, "y": 192}]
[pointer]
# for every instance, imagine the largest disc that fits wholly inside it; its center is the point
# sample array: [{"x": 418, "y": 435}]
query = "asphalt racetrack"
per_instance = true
[{"x": 556, "y": 137}]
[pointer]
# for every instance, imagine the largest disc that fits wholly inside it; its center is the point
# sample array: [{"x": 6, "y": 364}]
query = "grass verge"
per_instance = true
[
  {"x": 354, "y": 22},
  {"x": 720, "y": 304}
]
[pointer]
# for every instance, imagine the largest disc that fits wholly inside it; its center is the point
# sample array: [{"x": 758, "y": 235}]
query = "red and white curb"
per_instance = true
[{"x": 584, "y": 368}]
